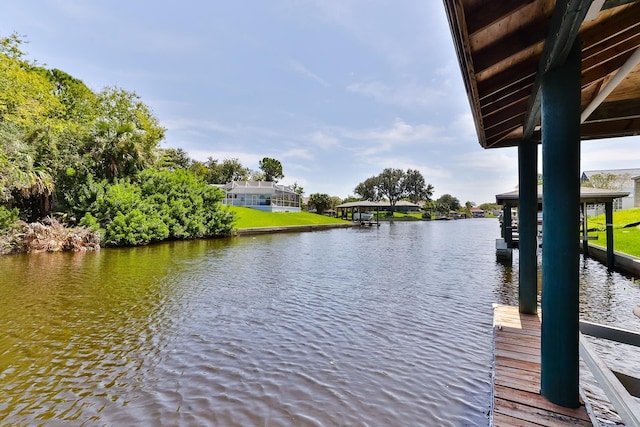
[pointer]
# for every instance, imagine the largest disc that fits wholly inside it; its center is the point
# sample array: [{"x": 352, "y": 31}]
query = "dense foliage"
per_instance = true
[
  {"x": 160, "y": 205},
  {"x": 68, "y": 151},
  {"x": 320, "y": 202}
]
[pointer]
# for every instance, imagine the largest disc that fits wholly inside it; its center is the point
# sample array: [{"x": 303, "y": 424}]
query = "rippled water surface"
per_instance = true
[{"x": 387, "y": 326}]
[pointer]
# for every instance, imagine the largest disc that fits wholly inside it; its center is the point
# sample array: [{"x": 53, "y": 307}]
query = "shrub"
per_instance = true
[
  {"x": 162, "y": 205},
  {"x": 8, "y": 217}
]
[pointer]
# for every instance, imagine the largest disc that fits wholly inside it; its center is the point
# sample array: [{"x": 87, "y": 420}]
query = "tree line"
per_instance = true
[{"x": 94, "y": 159}]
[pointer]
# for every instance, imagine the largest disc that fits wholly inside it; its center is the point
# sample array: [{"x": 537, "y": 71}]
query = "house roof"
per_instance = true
[
  {"x": 255, "y": 187},
  {"x": 380, "y": 204},
  {"x": 504, "y": 47},
  {"x": 587, "y": 195}
]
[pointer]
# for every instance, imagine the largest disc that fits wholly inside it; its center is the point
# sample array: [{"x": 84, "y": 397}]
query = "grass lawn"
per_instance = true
[
  {"x": 626, "y": 240},
  {"x": 400, "y": 216},
  {"x": 252, "y": 218}
]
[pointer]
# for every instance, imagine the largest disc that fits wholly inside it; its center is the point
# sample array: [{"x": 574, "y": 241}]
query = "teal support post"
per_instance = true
[
  {"x": 560, "y": 110},
  {"x": 507, "y": 224},
  {"x": 528, "y": 227},
  {"x": 585, "y": 232},
  {"x": 608, "y": 217}
]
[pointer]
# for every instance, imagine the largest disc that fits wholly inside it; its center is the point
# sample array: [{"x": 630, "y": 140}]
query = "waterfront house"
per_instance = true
[
  {"x": 476, "y": 212},
  {"x": 261, "y": 195},
  {"x": 618, "y": 179}
]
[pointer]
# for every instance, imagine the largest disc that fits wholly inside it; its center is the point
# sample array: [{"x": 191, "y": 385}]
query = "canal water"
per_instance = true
[{"x": 383, "y": 326}]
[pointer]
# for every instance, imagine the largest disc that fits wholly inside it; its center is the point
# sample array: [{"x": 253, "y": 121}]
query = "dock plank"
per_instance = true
[{"x": 516, "y": 376}]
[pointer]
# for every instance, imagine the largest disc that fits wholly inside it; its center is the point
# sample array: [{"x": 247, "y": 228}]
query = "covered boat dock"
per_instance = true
[
  {"x": 588, "y": 196},
  {"x": 552, "y": 73}
]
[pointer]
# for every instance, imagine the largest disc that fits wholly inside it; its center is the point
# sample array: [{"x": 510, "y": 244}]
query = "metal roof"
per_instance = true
[
  {"x": 587, "y": 195},
  {"x": 255, "y": 187},
  {"x": 505, "y": 46},
  {"x": 380, "y": 204}
]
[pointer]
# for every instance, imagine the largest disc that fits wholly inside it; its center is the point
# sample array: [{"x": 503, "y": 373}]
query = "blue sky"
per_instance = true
[{"x": 337, "y": 90}]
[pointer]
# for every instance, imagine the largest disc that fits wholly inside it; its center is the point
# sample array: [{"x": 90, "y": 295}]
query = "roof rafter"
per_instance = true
[{"x": 563, "y": 31}]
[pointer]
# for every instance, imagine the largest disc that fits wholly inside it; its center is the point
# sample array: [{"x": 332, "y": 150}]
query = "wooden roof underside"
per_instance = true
[{"x": 505, "y": 46}]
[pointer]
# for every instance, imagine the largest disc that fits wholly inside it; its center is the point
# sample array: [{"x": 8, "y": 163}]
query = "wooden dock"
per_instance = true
[{"x": 516, "y": 375}]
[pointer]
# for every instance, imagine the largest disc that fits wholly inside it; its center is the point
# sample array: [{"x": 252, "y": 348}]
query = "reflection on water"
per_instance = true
[{"x": 383, "y": 326}]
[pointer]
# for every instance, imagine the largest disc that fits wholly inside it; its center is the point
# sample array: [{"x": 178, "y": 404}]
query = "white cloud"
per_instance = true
[
  {"x": 498, "y": 159},
  {"x": 295, "y": 153},
  {"x": 304, "y": 71},
  {"x": 323, "y": 140},
  {"x": 399, "y": 132},
  {"x": 407, "y": 95},
  {"x": 617, "y": 153},
  {"x": 463, "y": 127}
]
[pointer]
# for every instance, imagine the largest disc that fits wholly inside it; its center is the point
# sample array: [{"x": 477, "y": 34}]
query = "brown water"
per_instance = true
[{"x": 387, "y": 326}]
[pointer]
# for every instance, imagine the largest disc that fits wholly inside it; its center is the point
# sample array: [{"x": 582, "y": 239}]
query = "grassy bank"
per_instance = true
[
  {"x": 252, "y": 218},
  {"x": 626, "y": 236}
]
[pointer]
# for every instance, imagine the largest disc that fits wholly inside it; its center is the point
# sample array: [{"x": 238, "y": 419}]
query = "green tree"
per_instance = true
[
  {"x": 229, "y": 170},
  {"x": 24, "y": 183},
  {"x": 271, "y": 168},
  {"x": 488, "y": 207},
  {"x": 368, "y": 189},
  {"x": 391, "y": 185},
  {"x": 298, "y": 189},
  {"x": 78, "y": 101},
  {"x": 395, "y": 185},
  {"x": 416, "y": 187},
  {"x": 125, "y": 135},
  {"x": 335, "y": 201},
  {"x": 26, "y": 94},
  {"x": 447, "y": 203},
  {"x": 199, "y": 169},
  {"x": 321, "y": 202},
  {"x": 172, "y": 159},
  {"x": 609, "y": 181}
]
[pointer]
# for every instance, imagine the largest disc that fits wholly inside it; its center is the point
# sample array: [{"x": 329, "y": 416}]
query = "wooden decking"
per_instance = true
[{"x": 516, "y": 375}]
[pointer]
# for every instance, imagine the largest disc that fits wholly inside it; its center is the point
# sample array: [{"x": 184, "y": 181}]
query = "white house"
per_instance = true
[
  {"x": 262, "y": 195},
  {"x": 622, "y": 180}
]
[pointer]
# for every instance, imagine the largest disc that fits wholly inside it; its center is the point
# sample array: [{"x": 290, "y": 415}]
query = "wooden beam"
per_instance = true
[
  {"x": 611, "y": 128},
  {"x": 524, "y": 38},
  {"x": 619, "y": 110},
  {"x": 505, "y": 81},
  {"x": 603, "y": 70},
  {"x": 615, "y": 3},
  {"x": 457, "y": 23},
  {"x": 506, "y": 102},
  {"x": 620, "y": 45},
  {"x": 624, "y": 21},
  {"x": 612, "y": 84},
  {"x": 485, "y": 14},
  {"x": 497, "y": 137},
  {"x": 511, "y": 122},
  {"x": 565, "y": 24}
]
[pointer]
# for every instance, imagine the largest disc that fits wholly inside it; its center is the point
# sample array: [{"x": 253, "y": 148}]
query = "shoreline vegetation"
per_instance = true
[
  {"x": 51, "y": 235},
  {"x": 47, "y": 236}
]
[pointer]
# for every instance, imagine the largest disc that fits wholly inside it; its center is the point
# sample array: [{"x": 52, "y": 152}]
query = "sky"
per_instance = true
[{"x": 336, "y": 90}]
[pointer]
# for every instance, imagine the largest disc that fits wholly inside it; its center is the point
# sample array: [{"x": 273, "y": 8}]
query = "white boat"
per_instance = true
[{"x": 362, "y": 216}]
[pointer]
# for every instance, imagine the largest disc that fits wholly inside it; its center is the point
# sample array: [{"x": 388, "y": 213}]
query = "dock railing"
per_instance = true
[{"x": 620, "y": 388}]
